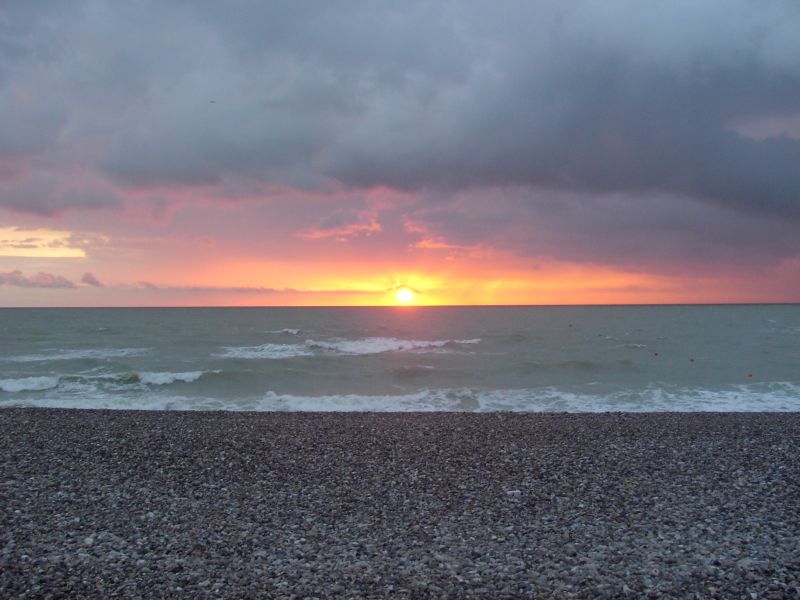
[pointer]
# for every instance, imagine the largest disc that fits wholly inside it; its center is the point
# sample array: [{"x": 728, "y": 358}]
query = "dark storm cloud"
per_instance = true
[
  {"x": 582, "y": 99},
  {"x": 638, "y": 100},
  {"x": 631, "y": 231},
  {"x": 267, "y": 91}
]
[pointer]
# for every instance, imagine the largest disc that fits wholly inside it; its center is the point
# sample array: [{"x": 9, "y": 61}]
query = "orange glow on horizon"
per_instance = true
[
  {"x": 358, "y": 284},
  {"x": 348, "y": 278}
]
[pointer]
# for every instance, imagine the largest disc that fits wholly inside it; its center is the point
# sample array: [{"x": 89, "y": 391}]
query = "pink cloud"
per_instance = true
[{"x": 343, "y": 225}]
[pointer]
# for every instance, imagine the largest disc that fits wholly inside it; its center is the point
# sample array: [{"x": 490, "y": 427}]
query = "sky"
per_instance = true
[{"x": 331, "y": 153}]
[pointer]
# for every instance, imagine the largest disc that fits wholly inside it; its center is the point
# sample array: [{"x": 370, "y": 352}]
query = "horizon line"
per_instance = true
[{"x": 413, "y": 306}]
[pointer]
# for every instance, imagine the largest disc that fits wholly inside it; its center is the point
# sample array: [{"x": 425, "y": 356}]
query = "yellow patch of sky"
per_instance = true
[{"x": 39, "y": 243}]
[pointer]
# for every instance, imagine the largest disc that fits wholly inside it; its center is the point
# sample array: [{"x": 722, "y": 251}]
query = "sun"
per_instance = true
[{"x": 404, "y": 295}]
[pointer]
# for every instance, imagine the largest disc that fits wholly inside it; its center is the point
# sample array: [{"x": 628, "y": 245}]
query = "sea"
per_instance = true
[{"x": 531, "y": 359}]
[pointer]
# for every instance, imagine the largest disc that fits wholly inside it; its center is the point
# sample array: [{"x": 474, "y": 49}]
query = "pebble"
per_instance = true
[{"x": 152, "y": 504}]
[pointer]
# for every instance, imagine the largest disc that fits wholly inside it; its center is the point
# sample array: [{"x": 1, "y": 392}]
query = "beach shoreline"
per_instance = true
[{"x": 227, "y": 504}]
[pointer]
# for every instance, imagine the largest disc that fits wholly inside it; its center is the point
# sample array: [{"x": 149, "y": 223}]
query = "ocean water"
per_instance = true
[{"x": 573, "y": 359}]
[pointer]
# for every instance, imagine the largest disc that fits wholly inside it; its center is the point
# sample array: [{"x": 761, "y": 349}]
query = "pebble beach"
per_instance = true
[{"x": 499, "y": 505}]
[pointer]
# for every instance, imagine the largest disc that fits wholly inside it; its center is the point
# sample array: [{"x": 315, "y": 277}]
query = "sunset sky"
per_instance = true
[{"x": 328, "y": 153}]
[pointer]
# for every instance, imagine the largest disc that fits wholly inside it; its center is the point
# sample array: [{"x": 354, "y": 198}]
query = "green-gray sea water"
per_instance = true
[{"x": 575, "y": 359}]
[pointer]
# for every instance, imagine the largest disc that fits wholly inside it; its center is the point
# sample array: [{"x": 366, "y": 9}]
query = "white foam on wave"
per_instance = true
[
  {"x": 126, "y": 391},
  {"x": 83, "y": 383},
  {"x": 377, "y": 345},
  {"x": 28, "y": 384},
  {"x": 766, "y": 397},
  {"x": 168, "y": 378},
  {"x": 422, "y": 401},
  {"x": 769, "y": 397},
  {"x": 371, "y": 345},
  {"x": 121, "y": 402},
  {"x": 80, "y": 354},
  {"x": 772, "y": 397},
  {"x": 779, "y": 396},
  {"x": 272, "y": 351},
  {"x": 286, "y": 331}
]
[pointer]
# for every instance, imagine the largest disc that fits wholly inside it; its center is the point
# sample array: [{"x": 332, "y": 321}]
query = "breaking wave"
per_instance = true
[
  {"x": 88, "y": 353},
  {"x": 168, "y": 378},
  {"x": 377, "y": 345},
  {"x": 268, "y": 351},
  {"x": 111, "y": 382},
  {"x": 371, "y": 345},
  {"x": 772, "y": 397},
  {"x": 28, "y": 384},
  {"x": 767, "y": 397}
]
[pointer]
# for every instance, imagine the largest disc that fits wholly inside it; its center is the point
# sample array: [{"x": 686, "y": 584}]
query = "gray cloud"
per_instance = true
[
  {"x": 640, "y": 231},
  {"x": 637, "y": 103},
  {"x": 40, "y": 280},
  {"x": 607, "y": 109},
  {"x": 42, "y": 195},
  {"x": 90, "y": 279},
  {"x": 576, "y": 94}
]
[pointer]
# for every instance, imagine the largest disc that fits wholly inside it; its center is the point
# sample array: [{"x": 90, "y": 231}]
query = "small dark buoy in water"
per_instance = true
[
  {"x": 691, "y": 360},
  {"x": 655, "y": 353},
  {"x": 750, "y": 375}
]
